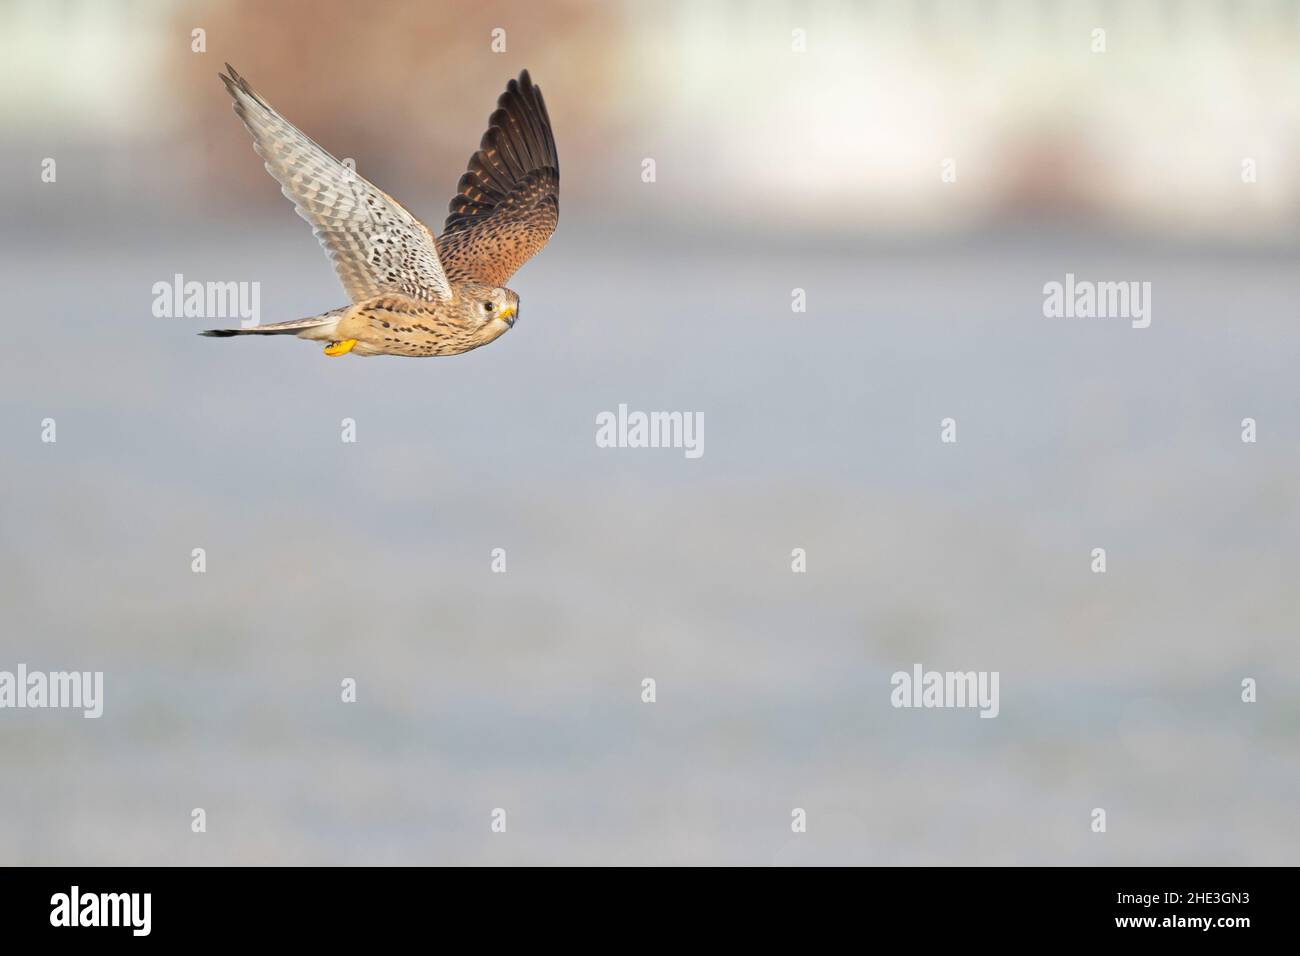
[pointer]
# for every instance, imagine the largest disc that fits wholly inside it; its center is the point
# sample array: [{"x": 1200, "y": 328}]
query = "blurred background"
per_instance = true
[{"x": 1173, "y": 157}]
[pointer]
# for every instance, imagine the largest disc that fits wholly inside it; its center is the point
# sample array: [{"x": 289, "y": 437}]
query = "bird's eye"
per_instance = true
[{"x": 487, "y": 306}]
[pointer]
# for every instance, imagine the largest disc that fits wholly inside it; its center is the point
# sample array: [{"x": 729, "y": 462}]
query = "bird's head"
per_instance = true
[{"x": 489, "y": 307}]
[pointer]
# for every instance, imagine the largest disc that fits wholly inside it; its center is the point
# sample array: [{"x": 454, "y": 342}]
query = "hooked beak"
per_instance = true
[{"x": 507, "y": 315}]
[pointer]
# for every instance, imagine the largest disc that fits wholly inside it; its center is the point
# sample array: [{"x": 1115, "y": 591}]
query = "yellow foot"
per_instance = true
[{"x": 340, "y": 348}]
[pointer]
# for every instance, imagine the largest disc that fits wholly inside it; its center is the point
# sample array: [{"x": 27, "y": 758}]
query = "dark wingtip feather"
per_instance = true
[
  {"x": 219, "y": 333},
  {"x": 517, "y": 147},
  {"x": 236, "y": 85},
  {"x": 231, "y": 82}
]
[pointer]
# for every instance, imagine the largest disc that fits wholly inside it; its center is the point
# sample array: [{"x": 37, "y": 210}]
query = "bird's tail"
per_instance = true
[{"x": 317, "y": 327}]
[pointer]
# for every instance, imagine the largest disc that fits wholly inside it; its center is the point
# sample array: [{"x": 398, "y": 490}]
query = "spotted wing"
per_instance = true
[
  {"x": 376, "y": 246},
  {"x": 508, "y": 202}
]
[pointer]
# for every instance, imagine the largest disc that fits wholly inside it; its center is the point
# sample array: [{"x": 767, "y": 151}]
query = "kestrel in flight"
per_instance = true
[{"x": 413, "y": 294}]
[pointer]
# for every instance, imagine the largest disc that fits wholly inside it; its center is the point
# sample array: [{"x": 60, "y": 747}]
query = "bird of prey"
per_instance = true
[{"x": 412, "y": 294}]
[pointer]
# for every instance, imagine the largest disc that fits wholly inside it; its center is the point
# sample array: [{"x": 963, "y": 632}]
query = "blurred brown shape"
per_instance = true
[
  {"x": 1050, "y": 173},
  {"x": 404, "y": 89}
]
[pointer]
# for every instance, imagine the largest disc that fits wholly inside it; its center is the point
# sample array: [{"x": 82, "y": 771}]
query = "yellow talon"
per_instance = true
[{"x": 340, "y": 348}]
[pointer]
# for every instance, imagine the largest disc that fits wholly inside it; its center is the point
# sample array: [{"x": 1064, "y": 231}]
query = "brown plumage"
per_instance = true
[{"x": 411, "y": 294}]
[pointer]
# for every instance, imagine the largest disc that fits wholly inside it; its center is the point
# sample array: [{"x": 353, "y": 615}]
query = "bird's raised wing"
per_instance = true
[
  {"x": 375, "y": 244},
  {"x": 508, "y": 202}
]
